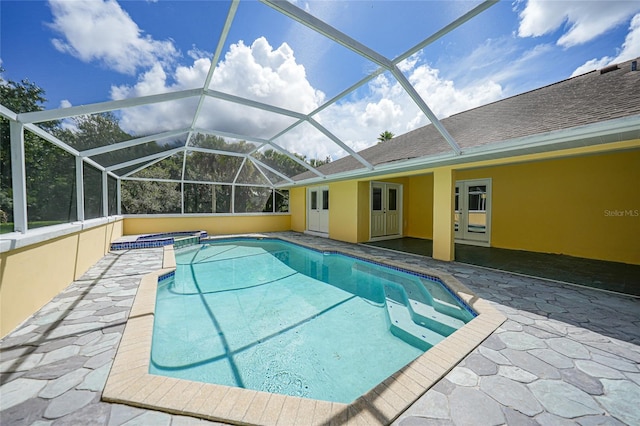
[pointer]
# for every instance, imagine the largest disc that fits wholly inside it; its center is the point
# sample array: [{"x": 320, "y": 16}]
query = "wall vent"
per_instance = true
[{"x": 609, "y": 69}]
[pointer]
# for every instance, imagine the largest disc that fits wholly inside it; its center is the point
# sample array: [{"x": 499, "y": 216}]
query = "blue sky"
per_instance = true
[{"x": 86, "y": 51}]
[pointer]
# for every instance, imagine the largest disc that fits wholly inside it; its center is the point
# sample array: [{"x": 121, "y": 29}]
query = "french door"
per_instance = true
[
  {"x": 473, "y": 212},
  {"x": 386, "y": 209},
  {"x": 318, "y": 209}
]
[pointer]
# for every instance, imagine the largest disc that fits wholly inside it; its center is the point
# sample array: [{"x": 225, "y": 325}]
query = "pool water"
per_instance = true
[{"x": 276, "y": 317}]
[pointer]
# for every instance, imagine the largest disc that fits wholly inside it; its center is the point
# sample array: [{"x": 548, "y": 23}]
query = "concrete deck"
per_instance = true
[{"x": 565, "y": 355}]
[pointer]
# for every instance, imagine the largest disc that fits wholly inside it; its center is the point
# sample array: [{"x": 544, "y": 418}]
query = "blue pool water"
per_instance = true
[{"x": 273, "y": 316}]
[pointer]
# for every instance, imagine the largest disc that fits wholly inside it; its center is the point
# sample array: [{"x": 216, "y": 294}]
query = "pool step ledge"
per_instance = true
[{"x": 129, "y": 381}]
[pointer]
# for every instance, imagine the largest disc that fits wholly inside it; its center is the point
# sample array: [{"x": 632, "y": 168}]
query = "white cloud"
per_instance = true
[
  {"x": 258, "y": 72},
  {"x": 268, "y": 75},
  {"x": 273, "y": 76},
  {"x": 585, "y": 20},
  {"x": 68, "y": 123},
  {"x": 102, "y": 31},
  {"x": 358, "y": 122},
  {"x": 630, "y": 49}
]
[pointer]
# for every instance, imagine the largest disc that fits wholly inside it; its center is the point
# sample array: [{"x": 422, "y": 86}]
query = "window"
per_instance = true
[
  {"x": 477, "y": 198},
  {"x": 393, "y": 199},
  {"x": 377, "y": 199}
]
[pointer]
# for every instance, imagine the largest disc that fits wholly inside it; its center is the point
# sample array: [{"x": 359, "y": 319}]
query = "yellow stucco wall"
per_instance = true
[
  {"x": 343, "y": 211},
  {"x": 443, "y": 204},
  {"x": 578, "y": 201},
  {"x": 363, "y": 210},
  {"x": 418, "y": 195},
  {"x": 297, "y": 209},
  {"x": 31, "y": 276},
  {"x": 214, "y": 225},
  {"x": 586, "y": 206}
]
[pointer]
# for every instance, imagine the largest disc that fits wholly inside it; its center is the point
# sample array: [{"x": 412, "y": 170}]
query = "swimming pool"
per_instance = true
[{"x": 272, "y": 316}]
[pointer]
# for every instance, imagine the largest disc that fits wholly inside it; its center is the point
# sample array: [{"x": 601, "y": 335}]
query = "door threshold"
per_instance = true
[
  {"x": 473, "y": 243},
  {"x": 317, "y": 233},
  {"x": 386, "y": 237}
]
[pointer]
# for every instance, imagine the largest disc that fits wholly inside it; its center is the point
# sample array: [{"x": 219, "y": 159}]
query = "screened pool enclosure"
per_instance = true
[{"x": 220, "y": 148}]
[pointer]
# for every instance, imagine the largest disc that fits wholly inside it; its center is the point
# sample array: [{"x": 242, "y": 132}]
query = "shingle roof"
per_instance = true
[{"x": 586, "y": 99}]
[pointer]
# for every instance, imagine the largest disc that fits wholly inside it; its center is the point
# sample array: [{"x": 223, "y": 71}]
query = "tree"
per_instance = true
[
  {"x": 140, "y": 197},
  {"x": 314, "y": 162},
  {"x": 50, "y": 172},
  {"x": 18, "y": 96},
  {"x": 385, "y": 136}
]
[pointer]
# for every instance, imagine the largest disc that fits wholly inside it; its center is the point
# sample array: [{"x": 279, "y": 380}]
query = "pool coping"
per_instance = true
[{"x": 129, "y": 381}]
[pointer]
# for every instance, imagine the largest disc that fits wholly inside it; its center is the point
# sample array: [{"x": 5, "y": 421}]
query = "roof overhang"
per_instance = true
[{"x": 601, "y": 133}]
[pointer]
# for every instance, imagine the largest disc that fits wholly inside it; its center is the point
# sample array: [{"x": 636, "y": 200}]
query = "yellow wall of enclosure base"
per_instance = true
[
  {"x": 31, "y": 276},
  {"x": 586, "y": 206},
  {"x": 214, "y": 225}
]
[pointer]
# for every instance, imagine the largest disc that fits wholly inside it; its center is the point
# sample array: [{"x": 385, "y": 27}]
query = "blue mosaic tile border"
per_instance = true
[
  {"x": 374, "y": 262},
  {"x": 166, "y": 276},
  {"x": 159, "y": 240}
]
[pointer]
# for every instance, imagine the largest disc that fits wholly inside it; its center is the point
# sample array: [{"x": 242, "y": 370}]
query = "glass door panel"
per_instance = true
[
  {"x": 472, "y": 211},
  {"x": 477, "y": 210},
  {"x": 318, "y": 210},
  {"x": 386, "y": 212},
  {"x": 377, "y": 211}
]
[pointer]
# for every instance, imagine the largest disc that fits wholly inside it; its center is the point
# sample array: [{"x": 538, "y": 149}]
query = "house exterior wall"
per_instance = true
[
  {"x": 364, "y": 190},
  {"x": 587, "y": 206},
  {"x": 32, "y": 275},
  {"x": 298, "y": 209},
  {"x": 418, "y": 194},
  {"x": 343, "y": 211},
  {"x": 214, "y": 225}
]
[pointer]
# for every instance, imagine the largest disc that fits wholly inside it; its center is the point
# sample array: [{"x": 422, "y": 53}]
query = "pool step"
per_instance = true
[
  {"x": 437, "y": 321},
  {"x": 403, "y": 326},
  {"x": 418, "y": 330}
]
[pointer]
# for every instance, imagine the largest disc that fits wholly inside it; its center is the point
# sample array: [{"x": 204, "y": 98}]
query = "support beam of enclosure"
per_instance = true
[
  {"x": 105, "y": 194},
  {"x": 80, "y": 189},
  {"x": 334, "y": 34},
  {"x": 7, "y": 113},
  {"x": 253, "y": 104},
  {"x": 411, "y": 91},
  {"x": 119, "y": 196},
  {"x": 151, "y": 157},
  {"x": 344, "y": 146},
  {"x": 18, "y": 177},
  {"x": 74, "y": 111},
  {"x": 271, "y": 169},
  {"x": 214, "y": 61},
  {"x": 310, "y": 21},
  {"x": 446, "y": 29},
  {"x": 132, "y": 142}
]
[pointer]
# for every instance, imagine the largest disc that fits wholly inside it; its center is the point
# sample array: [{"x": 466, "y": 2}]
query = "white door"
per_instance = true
[
  {"x": 386, "y": 212},
  {"x": 318, "y": 209},
  {"x": 472, "y": 222}
]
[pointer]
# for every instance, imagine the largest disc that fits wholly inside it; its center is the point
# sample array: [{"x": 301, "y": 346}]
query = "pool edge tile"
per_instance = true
[{"x": 130, "y": 383}]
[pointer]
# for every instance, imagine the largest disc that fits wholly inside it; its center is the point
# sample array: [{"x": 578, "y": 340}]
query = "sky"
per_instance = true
[{"x": 87, "y": 51}]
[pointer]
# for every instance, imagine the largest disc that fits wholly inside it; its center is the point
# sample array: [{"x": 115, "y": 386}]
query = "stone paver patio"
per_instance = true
[{"x": 566, "y": 355}]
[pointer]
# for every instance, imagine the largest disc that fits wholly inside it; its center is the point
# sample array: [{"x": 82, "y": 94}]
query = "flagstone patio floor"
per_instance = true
[{"x": 566, "y": 355}]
